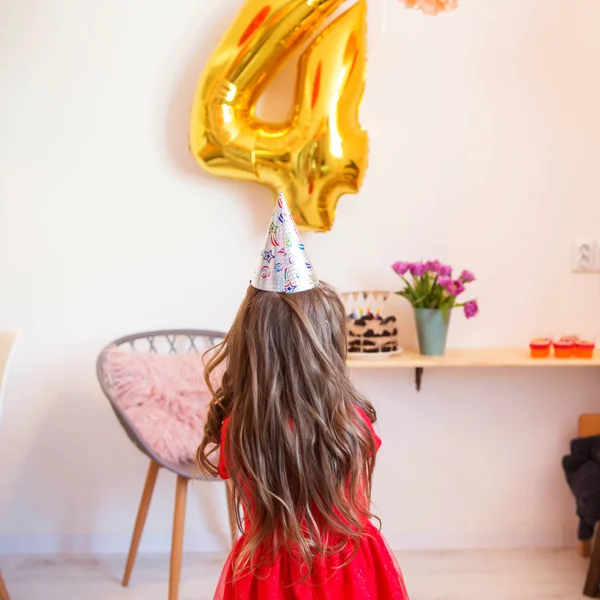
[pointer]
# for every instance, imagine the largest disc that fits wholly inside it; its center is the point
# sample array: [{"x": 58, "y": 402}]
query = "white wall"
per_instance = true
[{"x": 485, "y": 141}]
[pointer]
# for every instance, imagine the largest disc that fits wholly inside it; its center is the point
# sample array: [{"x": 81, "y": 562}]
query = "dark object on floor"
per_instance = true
[
  {"x": 582, "y": 469},
  {"x": 582, "y": 451}
]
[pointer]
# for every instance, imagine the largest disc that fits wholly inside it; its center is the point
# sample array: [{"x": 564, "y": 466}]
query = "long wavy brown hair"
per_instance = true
[{"x": 298, "y": 453}]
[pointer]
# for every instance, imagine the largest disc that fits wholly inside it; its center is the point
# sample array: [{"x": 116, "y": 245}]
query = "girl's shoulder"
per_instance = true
[
  {"x": 369, "y": 424},
  {"x": 224, "y": 427},
  {"x": 363, "y": 414},
  {"x": 223, "y": 472}
]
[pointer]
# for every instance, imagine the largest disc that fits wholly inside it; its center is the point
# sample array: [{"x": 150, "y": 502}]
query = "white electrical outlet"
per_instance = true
[{"x": 584, "y": 258}]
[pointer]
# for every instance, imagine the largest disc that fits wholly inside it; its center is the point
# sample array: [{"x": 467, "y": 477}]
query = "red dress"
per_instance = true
[{"x": 373, "y": 574}]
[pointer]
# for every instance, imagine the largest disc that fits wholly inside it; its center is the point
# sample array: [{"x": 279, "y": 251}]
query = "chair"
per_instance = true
[
  {"x": 3, "y": 591},
  {"x": 162, "y": 342},
  {"x": 7, "y": 342}
]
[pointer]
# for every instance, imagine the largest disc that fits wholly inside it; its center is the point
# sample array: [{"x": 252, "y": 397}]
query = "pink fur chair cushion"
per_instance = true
[{"x": 164, "y": 396}]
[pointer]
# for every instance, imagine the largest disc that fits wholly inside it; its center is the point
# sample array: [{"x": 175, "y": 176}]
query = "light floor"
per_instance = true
[{"x": 481, "y": 575}]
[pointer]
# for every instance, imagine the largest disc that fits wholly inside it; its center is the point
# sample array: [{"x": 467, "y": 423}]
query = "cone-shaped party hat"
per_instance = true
[{"x": 284, "y": 265}]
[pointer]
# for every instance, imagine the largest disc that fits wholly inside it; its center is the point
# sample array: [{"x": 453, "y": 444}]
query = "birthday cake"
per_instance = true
[
  {"x": 371, "y": 322},
  {"x": 372, "y": 333}
]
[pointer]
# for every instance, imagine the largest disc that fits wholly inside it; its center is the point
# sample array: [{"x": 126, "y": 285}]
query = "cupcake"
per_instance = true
[
  {"x": 565, "y": 347},
  {"x": 585, "y": 348},
  {"x": 573, "y": 339},
  {"x": 540, "y": 347}
]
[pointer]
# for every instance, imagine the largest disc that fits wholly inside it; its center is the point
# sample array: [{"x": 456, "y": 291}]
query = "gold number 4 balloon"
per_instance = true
[{"x": 320, "y": 152}]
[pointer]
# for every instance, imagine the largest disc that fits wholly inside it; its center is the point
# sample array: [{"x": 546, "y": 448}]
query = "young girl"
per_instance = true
[{"x": 296, "y": 440}]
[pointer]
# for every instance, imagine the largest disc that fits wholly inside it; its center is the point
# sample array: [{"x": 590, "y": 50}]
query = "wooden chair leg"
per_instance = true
[
  {"x": 592, "y": 582},
  {"x": 233, "y": 526},
  {"x": 584, "y": 548},
  {"x": 177, "y": 544},
  {"x": 3, "y": 591},
  {"x": 140, "y": 520}
]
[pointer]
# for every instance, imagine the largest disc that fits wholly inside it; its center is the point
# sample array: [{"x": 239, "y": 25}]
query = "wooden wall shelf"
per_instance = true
[{"x": 470, "y": 358}]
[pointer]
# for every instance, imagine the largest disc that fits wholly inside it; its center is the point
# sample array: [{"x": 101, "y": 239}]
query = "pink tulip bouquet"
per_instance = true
[
  {"x": 432, "y": 7},
  {"x": 434, "y": 287}
]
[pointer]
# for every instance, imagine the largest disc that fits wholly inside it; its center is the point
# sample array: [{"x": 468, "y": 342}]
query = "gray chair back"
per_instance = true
[{"x": 170, "y": 341}]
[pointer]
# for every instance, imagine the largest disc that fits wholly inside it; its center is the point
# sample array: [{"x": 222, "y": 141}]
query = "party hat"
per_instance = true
[{"x": 284, "y": 265}]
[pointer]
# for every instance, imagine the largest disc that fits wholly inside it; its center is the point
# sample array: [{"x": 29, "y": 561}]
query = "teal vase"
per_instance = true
[{"x": 432, "y": 329}]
